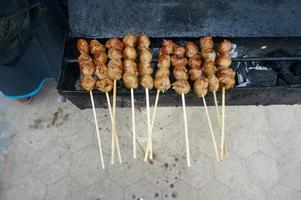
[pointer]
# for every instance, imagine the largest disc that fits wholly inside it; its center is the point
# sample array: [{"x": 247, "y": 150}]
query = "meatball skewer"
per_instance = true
[
  {"x": 145, "y": 71},
  {"x": 182, "y": 87},
  {"x": 226, "y": 81},
  {"x": 209, "y": 68},
  {"x": 200, "y": 83},
  {"x": 88, "y": 83},
  {"x": 114, "y": 73},
  {"x": 161, "y": 83},
  {"x": 130, "y": 76},
  {"x": 104, "y": 84}
]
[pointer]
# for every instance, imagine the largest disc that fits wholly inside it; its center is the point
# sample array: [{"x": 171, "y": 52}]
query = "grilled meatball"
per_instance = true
[
  {"x": 179, "y": 51},
  {"x": 147, "y": 81},
  {"x": 226, "y": 77},
  {"x": 195, "y": 73},
  {"x": 162, "y": 72},
  {"x": 104, "y": 85},
  {"x": 181, "y": 87},
  {"x": 180, "y": 72},
  {"x": 143, "y": 41},
  {"x": 86, "y": 65},
  {"x": 130, "y": 80},
  {"x": 209, "y": 68},
  {"x": 129, "y": 66},
  {"x": 208, "y": 54},
  {"x": 145, "y": 68},
  {"x": 167, "y": 47},
  {"x": 97, "y": 47},
  {"x": 130, "y": 40},
  {"x": 115, "y": 54},
  {"x": 113, "y": 63},
  {"x": 162, "y": 83},
  {"x": 226, "y": 82},
  {"x": 84, "y": 58},
  {"x": 191, "y": 49},
  {"x": 164, "y": 61},
  {"x": 114, "y": 43},
  {"x": 178, "y": 61},
  {"x": 213, "y": 83},
  {"x": 225, "y": 71},
  {"x": 194, "y": 61},
  {"x": 100, "y": 58},
  {"x": 114, "y": 73},
  {"x": 206, "y": 42},
  {"x": 224, "y": 47},
  {"x": 87, "y": 83},
  {"x": 101, "y": 71},
  {"x": 145, "y": 56},
  {"x": 223, "y": 60},
  {"x": 83, "y": 46},
  {"x": 130, "y": 53},
  {"x": 200, "y": 87}
]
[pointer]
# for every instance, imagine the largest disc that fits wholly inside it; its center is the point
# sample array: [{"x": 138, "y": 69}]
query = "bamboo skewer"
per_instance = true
[
  {"x": 148, "y": 116},
  {"x": 223, "y": 125},
  {"x": 133, "y": 123},
  {"x": 211, "y": 130},
  {"x": 114, "y": 133},
  {"x": 149, "y": 143},
  {"x": 186, "y": 131},
  {"x": 97, "y": 129},
  {"x": 217, "y": 109}
]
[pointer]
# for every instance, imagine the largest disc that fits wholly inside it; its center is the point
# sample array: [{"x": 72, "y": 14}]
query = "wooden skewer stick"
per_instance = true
[
  {"x": 186, "y": 131},
  {"x": 111, "y": 115},
  {"x": 133, "y": 123},
  {"x": 211, "y": 129},
  {"x": 223, "y": 125},
  {"x": 148, "y": 116},
  {"x": 217, "y": 109},
  {"x": 97, "y": 129},
  {"x": 149, "y": 148},
  {"x": 114, "y": 133}
]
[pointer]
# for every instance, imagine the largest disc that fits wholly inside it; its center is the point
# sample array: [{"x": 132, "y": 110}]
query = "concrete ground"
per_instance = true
[{"x": 49, "y": 151}]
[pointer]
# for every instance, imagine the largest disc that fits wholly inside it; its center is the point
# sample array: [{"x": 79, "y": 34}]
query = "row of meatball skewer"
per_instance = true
[{"x": 208, "y": 70}]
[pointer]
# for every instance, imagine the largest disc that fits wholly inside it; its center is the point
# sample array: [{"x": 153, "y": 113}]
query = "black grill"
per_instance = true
[{"x": 267, "y": 57}]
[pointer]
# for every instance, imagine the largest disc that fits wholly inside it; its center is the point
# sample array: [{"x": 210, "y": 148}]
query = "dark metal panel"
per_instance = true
[{"x": 174, "y": 18}]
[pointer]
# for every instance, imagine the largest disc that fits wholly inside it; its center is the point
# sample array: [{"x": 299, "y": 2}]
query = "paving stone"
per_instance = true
[
  {"x": 86, "y": 166},
  {"x": 290, "y": 168},
  {"x": 7, "y": 130},
  {"x": 55, "y": 171},
  {"x": 66, "y": 188},
  {"x": 142, "y": 190},
  {"x": 181, "y": 191},
  {"x": 200, "y": 173},
  {"x": 279, "y": 144},
  {"x": 231, "y": 171},
  {"x": 251, "y": 191},
  {"x": 281, "y": 118},
  {"x": 45, "y": 157},
  {"x": 4, "y": 143},
  {"x": 244, "y": 144},
  {"x": 129, "y": 172},
  {"x": 216, "y": 190},
  {"x": 28, "y": 188},
  {"x": 280, "y": 192},
  {"x": 22, "y": 159},
  {"x": 262, "y": 170},
  {"x": 104, "y": 189},
  {"x": 79, "y": 139},
  {"x": 163, "y": 170}
]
